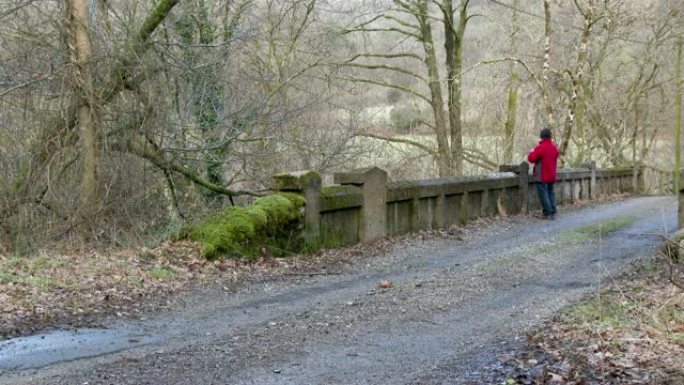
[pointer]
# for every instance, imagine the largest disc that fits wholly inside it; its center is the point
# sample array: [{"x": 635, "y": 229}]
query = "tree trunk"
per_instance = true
[
  {"x": 546, "y": 94},
  {"x": 512, "y": 110},
  {"x": 576, "y": 105},
  {"x": 80, "y": 51},
  {"x": 510, "y": 118},
  {"x": 436, "y": 101},
  {"x": 210, "y": 103},
  {"x": 453, "y": 44},
  {"x": 678, "y": 117},
  {"x": 207, "y": 93}
]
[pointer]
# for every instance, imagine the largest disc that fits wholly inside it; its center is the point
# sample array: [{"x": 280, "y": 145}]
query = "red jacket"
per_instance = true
[{"x": 546, "y": 156}]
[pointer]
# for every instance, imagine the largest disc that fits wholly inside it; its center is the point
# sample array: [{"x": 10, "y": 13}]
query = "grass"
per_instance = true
[
  {"x": 41, "y": 282},
  {"x": 31, "y": 271},
  {"x": 632, "y": 332},
  {"x": 79, "y": 273},
  {"x": 596, "y": 230},
  {"x": 525, "y": 255},
  {"x": 597, "y": 314},
  {"x": 653, "y": 310},
  {"x": 162, "y": 273}
]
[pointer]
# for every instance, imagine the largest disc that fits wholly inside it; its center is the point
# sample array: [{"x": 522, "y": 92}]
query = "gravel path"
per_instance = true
[{"x": 453, "y": 304}]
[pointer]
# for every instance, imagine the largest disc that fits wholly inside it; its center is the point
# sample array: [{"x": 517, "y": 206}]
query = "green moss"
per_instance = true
[
  {"x": 289, "y": 181},
  {"x": 270, "y": 223},
  {"x": 285, "y": 179},
  {"x": 341, "y": 196}
]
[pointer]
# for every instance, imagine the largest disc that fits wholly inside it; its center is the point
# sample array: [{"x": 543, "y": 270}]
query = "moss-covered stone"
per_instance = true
[
  {"x": 295, "y": 181},
  {"x": 270, "y": 223},
  {"x": 338, "y": 197}
]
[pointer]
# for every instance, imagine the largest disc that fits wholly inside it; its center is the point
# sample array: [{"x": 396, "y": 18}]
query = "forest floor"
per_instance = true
[{"x": 585, "y": 299}]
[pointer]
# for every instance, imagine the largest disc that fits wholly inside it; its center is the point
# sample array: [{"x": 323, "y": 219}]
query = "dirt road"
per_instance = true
[{"x": 454, "y": 303}]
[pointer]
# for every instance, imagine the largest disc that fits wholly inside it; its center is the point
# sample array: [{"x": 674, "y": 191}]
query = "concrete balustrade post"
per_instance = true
[
  {"x": 524, "y": 179},
  {"x": 307, "y": 183},
  {"x": 638, "y": 179},
  {"x": 524, "y": 187},
  {"x": 373, "y": 184},
  {"x": 593, "y": 187},
  {"x": 440, "y": 219}
]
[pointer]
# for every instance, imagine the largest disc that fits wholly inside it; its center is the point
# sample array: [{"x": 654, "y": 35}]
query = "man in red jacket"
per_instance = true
[{"x": 545, "y": 159}]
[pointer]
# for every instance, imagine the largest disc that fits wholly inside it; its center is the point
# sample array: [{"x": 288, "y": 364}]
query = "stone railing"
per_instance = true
[{"x": 363, "y": 206}]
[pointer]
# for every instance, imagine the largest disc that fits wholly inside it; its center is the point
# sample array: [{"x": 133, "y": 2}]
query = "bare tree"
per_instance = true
[{"x": 414, "y": 20}]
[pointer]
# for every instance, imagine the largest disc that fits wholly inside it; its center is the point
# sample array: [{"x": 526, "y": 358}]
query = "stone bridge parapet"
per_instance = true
[{"x": 363, "y": 205}]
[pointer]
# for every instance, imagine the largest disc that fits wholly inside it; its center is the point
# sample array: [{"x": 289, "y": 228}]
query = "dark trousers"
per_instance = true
[{"x": 547, "y": 197}]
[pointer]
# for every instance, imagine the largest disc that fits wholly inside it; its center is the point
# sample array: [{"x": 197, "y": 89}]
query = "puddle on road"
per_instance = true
[{"x": 59, "y": 346}]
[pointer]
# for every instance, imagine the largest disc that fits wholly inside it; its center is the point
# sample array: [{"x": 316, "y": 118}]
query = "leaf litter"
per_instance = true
[
  {"x": 630, "y": 333},
  {"x": 49, "y": 291}
]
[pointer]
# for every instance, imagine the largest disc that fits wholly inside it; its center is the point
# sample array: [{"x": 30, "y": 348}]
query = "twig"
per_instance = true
[
  {"x": 32, "y": 81},
  {"x": 671, "y": 260}
]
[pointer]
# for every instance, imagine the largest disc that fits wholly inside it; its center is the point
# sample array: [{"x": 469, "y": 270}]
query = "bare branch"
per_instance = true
[
  {"x": 414, "y": 143},
  {"x": 384, "y": 67},
  {"x": 509, "y": 59},
  {"x": 479, "y": 158},
  {"x": 32, "y": 81},
  {"x": 146, "y": 150},
  {"x": 18, "y": 7},
  {"x": 387, "y": 56},
  {"x": 392, "y": 29},
  {"x": 216, "y": 146},
  {"x": 388, "y": 85}
]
